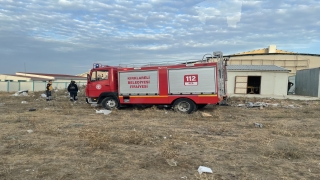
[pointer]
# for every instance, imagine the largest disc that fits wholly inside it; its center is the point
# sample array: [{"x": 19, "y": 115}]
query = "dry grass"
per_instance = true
[{"x": 70, "y": 141}]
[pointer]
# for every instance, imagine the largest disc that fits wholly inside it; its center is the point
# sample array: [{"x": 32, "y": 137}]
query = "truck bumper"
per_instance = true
[{"x": 91, "y": 100}]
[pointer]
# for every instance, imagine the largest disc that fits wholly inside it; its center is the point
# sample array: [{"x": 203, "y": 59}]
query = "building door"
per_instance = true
[
  {"x": 247, "y": 85},
  {"x": 241, "y": 85}
]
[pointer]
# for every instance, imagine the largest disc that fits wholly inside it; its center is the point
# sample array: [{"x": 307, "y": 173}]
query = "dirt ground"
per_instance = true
[{"x": 70, "y": 141}]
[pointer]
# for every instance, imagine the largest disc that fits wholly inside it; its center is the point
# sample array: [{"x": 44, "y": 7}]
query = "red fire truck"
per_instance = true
[{"x": 185, "y": 87}]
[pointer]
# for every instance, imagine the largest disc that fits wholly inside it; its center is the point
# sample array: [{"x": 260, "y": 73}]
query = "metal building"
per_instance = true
[
  {"x": 257, "y": 79},
  {"x": 308, "y": 82}
]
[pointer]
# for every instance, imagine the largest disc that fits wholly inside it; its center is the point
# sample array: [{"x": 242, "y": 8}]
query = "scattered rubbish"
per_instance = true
[
  {"x": 250, "y": 104},
  {"x": 21, "y": 93},
  {"x": 241, "y": 105},
  {"x": 203, "y": 169},
  {"x": 30, "y": 131},
  {"x": 164, "y": 137},
  {"x": 171, "y": 162},
  {"x": 184, "y": 177},
  {"x": 206, "y": 114},
  {"x": 257, "y": 104},
  {"x": 23, "y": 102},
  {"x": 275, "y": 105},
  {"x": 43, "y": 95},
  {"x": 105, "y": 112},
  {"x": 291, "y": 106},
  {"x": 32, "y": 109},
  {"x": 258, "y": 125}
]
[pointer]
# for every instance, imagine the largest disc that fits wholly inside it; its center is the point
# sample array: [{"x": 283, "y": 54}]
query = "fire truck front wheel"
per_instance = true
[
  {"x": 184, "y": 105},
  {"x": 109, "y": 103}
]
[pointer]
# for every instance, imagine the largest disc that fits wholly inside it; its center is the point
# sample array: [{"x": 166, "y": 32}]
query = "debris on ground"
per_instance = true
[
  {"x": 257, "y": 104},
  {"x": 32, "y": 109},
  {"x": 204, "y": 114},
  {"x": 171, "y": 162},
  {"x": 105, "y": 112},
  {"x": 23, "y": 102},
  {"x": 43, "y": 95},
  {"x": 30, "y": 131},
  {"x": 203, "y": 169},
  {"x": 21, "y": 93},
  {"x": 258, "y": 125}
]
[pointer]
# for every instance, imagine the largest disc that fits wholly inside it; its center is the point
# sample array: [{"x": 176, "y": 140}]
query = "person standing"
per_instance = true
[
  {"x": 73, "y": 90},
  {"x": 49, "y": 90}
]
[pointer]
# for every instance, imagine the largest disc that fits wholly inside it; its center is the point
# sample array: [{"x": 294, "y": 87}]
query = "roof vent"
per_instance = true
[{"x": 272, "y": 49}]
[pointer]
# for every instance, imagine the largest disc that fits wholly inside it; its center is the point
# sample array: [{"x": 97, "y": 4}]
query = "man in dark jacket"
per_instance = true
[
  {"x": 73, "y": 90},
  {"x": 49, "y": 90}
]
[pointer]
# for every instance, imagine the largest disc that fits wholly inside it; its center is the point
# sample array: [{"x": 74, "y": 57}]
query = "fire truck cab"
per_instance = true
[{"x": 185, "y": 87}]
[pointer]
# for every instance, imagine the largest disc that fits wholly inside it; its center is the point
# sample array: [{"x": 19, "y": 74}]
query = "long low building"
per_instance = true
[{"x": 36, "y": 81}]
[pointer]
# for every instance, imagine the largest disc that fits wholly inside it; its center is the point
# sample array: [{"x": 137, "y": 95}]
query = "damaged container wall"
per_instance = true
[{"x": 307, "y": 82}]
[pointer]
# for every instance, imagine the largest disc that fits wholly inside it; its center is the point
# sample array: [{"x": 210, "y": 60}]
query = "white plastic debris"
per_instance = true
[
  {"x": 204, "y": 114},
  {"x": 241, "y": 105},
  {"x": 23, "y": 102},
  {"x": 105, "y": 112},
  {"x": 30, "y": 131},
  {"x": 291, "y": 106},
  {"x": 258, "y": 125},
  {"x": 43, "y": 95},
  {"x": 203, "y": 169}
]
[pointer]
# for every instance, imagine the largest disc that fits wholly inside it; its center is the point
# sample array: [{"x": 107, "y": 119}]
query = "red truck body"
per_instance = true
[{"x": 186, "y": 87}]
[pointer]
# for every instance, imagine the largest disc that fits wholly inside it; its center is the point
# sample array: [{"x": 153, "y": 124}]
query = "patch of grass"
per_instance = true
[
  {"x": 97, "y": 139},
  {"x": 286, "y": 150}
]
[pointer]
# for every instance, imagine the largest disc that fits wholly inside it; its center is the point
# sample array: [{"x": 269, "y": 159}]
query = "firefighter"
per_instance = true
[
  {"x": 73, "y": 90},
  {"x": 49, "y": 90}
]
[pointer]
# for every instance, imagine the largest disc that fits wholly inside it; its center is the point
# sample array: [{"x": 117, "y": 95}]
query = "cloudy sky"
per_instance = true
[{"x": 68, "y": 36}]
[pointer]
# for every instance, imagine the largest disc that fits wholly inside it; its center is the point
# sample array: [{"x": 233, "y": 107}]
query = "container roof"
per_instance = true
[{"x": 256, "y": 68}]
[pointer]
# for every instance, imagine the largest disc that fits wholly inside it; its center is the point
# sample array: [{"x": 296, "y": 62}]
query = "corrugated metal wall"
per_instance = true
[{"x": 307, "y": 82}]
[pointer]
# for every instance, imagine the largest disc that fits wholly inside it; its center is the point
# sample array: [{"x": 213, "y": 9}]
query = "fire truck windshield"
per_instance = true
[{"x": 99, "y": 75}]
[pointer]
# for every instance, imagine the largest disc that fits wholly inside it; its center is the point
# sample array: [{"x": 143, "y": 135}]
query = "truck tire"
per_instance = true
[
  {"x": 184, "y": 105},
  {"x": 109, "y": 103}
]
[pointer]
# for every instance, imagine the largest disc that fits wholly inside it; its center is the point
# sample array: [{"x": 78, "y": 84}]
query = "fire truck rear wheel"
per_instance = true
[
  {"x": 184, "y": 105},
  {"x": 109, "y": 103}
]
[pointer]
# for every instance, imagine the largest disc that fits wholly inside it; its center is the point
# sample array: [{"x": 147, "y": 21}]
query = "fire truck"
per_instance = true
[{"x": 184, "y": 87}]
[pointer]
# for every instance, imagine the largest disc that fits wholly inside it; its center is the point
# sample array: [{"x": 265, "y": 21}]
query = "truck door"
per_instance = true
[{"x": 99, "y": 82}]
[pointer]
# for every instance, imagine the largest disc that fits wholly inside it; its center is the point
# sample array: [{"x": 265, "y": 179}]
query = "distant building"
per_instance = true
[
  {"x": 36, "y": 81},
  {"x": 27, "y": 76},
  {"x": 273, "y": 56}
]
